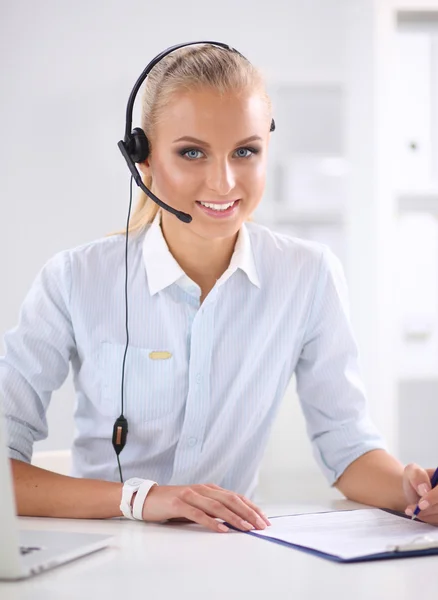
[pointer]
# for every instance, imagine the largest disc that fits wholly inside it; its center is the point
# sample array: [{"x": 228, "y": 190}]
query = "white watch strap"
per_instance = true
[
  {"x": 125, "y": 505},
  {"x": 140, "y": 498}
]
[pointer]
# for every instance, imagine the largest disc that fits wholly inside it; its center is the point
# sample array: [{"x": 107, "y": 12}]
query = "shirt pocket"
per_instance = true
[{"x": 149, "y": 383}]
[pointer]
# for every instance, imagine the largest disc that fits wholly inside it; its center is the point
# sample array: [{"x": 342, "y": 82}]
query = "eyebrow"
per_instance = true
[{"x": 188, "y": 138}]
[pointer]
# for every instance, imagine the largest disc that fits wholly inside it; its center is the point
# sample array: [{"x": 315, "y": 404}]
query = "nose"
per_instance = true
[{"x": 221, "y": 178}]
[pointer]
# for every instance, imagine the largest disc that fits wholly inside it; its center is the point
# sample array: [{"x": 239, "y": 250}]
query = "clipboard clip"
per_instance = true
[{"x": 421, "y": 542}]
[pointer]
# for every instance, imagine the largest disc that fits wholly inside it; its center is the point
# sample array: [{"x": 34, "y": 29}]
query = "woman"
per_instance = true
[{"x": 222, "y": 313}]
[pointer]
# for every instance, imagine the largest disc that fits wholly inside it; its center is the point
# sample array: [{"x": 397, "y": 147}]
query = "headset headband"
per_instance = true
[{"x": 148, "y": 69}]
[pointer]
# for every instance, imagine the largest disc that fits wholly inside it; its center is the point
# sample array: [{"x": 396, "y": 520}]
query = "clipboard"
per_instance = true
[{"x": 418, "y": 545}]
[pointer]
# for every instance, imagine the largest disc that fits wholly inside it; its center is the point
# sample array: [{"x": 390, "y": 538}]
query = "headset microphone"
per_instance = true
[
  {"x": 184, "y": 217},
  {"x": 135, "y": 145}
]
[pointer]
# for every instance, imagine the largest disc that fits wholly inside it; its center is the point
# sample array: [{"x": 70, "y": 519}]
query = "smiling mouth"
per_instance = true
[
  {"x": 220, "y": 207},
  {"x": 218, "y": 210}
]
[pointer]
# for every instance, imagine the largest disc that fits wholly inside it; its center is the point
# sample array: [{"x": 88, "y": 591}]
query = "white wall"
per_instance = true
[{"x": 67, "y": 71}]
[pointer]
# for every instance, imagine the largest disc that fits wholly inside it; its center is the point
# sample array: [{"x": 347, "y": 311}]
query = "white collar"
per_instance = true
[{"x": 163, "y": 270}]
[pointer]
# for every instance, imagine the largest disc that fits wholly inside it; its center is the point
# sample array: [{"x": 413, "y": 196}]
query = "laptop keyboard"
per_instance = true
[{"x": 28, "y": 549}]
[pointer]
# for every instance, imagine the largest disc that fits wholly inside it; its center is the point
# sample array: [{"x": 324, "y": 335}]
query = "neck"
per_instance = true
[{"x": 203, "y": 260}]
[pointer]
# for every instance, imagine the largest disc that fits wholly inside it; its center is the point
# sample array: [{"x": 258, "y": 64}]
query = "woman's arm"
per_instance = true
[
  {"x": 349, "y": 449},
  {"x": 41, "y": 493},
  {"x": 329, "y": 382},
  {"x": 376, "y": 479}
]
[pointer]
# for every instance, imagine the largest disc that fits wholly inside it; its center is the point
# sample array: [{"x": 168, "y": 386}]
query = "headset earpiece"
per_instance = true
[
  {"x": 272, "y": 125},
  {"x": 138, "y": 145}
]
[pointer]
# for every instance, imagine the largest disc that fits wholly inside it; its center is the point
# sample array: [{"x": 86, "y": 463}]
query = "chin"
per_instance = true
[{"x": 214, "y": 231}]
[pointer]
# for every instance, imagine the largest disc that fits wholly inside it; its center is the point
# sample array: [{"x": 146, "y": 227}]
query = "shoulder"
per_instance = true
[
  {"x": 100, "y": 258},
  {"x": 104, "y": 253},
  {"x": 285, "y": 251},
  {"x": 103, "y": 249}
]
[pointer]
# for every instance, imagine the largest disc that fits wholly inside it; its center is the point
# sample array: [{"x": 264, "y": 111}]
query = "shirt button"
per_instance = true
[
  {"x": 198, "y": 378},
  {"x": 192, "y": 441}
]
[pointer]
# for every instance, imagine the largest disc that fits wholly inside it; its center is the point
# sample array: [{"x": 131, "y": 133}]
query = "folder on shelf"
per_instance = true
[{"x": 350, "y": 536}]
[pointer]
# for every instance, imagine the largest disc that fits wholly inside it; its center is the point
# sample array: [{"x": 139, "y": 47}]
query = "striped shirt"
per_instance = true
[{"x": 203, "y": 382}]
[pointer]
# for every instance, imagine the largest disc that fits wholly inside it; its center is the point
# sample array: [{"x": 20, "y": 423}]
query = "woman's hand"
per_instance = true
[
  {"x": 203, "y": 504},
  {"x": 417, "y": 489}
]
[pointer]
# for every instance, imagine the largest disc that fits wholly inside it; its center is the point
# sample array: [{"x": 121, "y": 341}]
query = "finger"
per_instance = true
[
  {"x": 415, "y": 480},
  {"x": 430, "y": 473},
  {"x": 431, "y": 510},
  {"x": 429, "y": 500},
  {"x": 428, "y": 516},
  {"x": 255, "y": 508},
  {"x": 199, "y": 516},
  {"x": 410, "y": 509},
  {"x": 431, "y": 497},
  {"x": 234, "y": 502},
  {"x": 245, "y": 500},
  {"x": 217, "y": 509},
  {"x": 236, "y": 505}
]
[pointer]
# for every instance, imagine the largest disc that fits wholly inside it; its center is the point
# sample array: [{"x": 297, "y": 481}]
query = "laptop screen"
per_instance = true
[{"x": 9, "y": 556}]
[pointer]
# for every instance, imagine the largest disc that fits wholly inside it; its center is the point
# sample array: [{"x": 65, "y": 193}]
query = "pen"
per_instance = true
[{"x": 433, "y": 483}]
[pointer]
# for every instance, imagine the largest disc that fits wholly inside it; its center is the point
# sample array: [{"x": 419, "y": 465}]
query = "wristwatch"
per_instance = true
[{"x": 130, "y": 487}]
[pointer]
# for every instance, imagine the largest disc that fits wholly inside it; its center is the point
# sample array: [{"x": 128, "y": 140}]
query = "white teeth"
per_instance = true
[{"x": 217, "y": 206}]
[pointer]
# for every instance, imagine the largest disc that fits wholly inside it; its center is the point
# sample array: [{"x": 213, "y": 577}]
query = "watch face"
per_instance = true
[{"x": 134, "y": 482}]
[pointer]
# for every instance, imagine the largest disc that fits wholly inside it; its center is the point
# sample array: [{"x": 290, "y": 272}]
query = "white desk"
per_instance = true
[{"x": 177, "y": 561}]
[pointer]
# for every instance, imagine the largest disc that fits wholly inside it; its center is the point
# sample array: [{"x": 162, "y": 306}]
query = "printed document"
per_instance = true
[{"x": 352, "y": 533}]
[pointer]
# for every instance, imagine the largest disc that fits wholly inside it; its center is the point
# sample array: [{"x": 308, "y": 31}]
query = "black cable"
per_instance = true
[
  {"x": 126, "y": 289},
  {"x": 126, "y": 319},
  {"x": 120, "y": 469}
]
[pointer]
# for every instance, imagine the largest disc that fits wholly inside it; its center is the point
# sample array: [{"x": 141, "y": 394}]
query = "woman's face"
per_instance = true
[{"x": 211, "y": 149}]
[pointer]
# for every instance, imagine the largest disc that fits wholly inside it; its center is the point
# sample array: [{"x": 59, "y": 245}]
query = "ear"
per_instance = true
[{"x": 145, "y": 168}]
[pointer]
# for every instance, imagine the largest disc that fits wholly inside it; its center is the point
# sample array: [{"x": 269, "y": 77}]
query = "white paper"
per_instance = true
[{"x": 350, "y": 533}]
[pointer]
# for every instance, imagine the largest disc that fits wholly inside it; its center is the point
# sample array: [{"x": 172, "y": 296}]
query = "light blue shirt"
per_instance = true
[{"x": 202, "y": 415}]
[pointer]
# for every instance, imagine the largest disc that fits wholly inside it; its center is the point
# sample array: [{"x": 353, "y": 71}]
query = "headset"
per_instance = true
[{"x": 135, "y": 149}]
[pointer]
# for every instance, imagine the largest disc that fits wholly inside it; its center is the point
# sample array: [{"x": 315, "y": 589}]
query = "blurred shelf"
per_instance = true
[
  {"x": 426, "y": 378},
  {"x": 418, "y": 20},
  {"x": 308, "y": 220},
  {"x": 418, "y": 200}
]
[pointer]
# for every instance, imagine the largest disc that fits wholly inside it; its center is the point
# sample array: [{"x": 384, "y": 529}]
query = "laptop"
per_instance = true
[{"x": 26, "y": 553}]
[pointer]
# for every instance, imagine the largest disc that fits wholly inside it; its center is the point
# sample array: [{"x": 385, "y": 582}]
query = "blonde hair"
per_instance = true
[{"x": 188, "y": 68}]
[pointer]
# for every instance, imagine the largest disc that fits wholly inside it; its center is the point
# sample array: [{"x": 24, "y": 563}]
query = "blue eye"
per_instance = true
[
  {"x": 191, "y": 153},
  {"x": 245, "y": 152},
  {"x": 195, "y": 154}
]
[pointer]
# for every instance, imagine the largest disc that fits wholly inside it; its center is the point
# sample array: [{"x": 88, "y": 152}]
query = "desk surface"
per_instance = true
[{"x": 183, "y": 561}]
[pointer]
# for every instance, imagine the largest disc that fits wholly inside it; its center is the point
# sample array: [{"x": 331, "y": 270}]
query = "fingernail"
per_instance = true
[
  {"x": 423, "y": 489},
  {"x": 265, "y": 516},
  {"x": 260, "y": 523},
  {"x": 409, "y": 512},
  {"x": 246, "y": 525},
  {"x": 424, "y": 504},
  {"x": 223, "y": 528}
]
